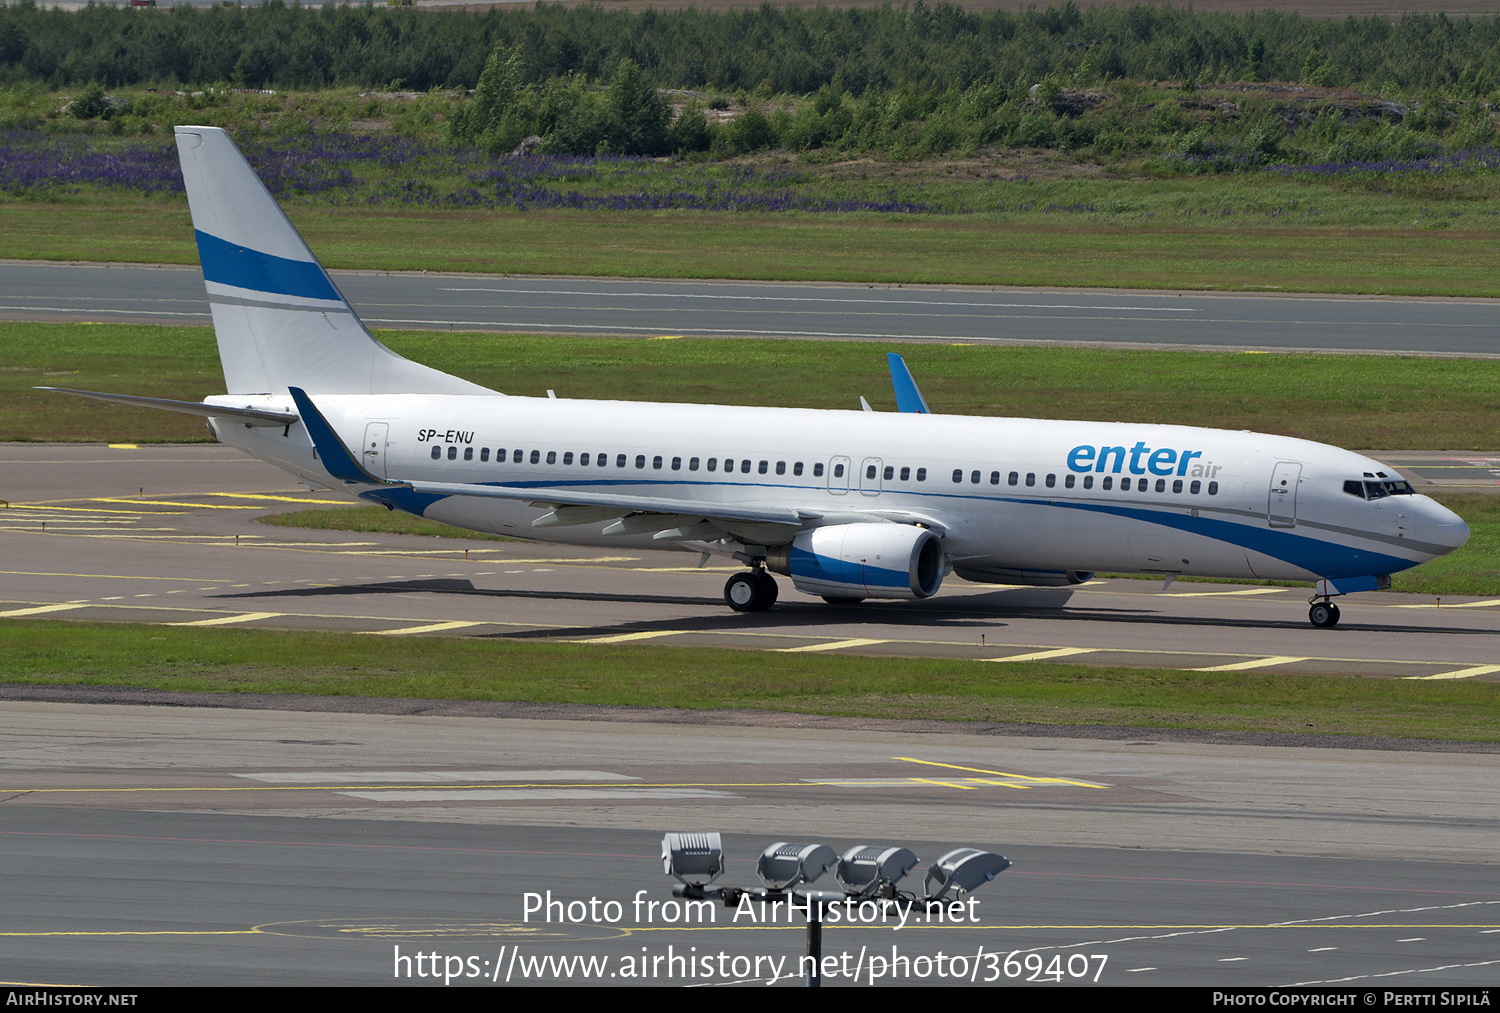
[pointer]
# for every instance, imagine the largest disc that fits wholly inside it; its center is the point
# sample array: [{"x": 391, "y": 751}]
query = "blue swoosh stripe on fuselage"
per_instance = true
[
  {"x": 232, "y": 264},
  {"x": 1327, "y": 559}
]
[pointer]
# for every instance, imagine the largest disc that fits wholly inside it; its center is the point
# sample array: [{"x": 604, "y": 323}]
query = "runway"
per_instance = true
[
  {"x": 633, "y": 307},
  {"x": 182, "y": 845}
]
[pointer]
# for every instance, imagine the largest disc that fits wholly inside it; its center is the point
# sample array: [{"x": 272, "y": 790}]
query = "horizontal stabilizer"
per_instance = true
[{"x": 249, "y": 416}]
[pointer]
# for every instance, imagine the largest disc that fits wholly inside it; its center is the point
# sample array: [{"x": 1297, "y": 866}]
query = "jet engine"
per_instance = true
[{"x": 869, "y": 560}]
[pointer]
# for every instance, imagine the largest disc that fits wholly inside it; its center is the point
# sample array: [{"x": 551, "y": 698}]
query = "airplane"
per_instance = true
[{"x": 849, "y": 505}]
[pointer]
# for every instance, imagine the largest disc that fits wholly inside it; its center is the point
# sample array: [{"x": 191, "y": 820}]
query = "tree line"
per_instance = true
[{"x": 929, "y": 48}]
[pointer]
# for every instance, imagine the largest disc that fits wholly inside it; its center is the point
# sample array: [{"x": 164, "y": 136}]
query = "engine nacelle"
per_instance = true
[
  {"x": 871, "y": 560},
  {"x": 1032, "y": 578}
]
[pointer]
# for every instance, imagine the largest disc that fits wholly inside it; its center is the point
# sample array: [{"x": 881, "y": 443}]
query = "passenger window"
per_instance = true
[
  {"x": 1177, "y": 485},
  {"x": 818, "y": 470},
  {"x": 568, "y": 457},
  {"x": 536, "y": 457},
  {"x": 640, "y": 461},
  {"x": 1109, "y": 481},
  {"x": 764, "y": 466},
  {"x": 1015, "y": 477},
  {"x": 728, "y": 465},
  {"x": 1088, "y": 481},
  {"x": 890, "y": 473},
  {"x": 484, "y": 453},
  {"x": 974, "y": 477},
  {"x": 676, "y": 464},
  {"x": 516, "y": 457},
  {"x": 551, "y": 457},
  {"x": 838, "y": 471},
  {"x": 452, "y": 453},
  {"x": 1213, "y": 488},
  {"x": 781, "y": 467},
  {"x": 745, "y": 467},
  {"x": 870, "y": 471},
  {"x": 1068, "y": 481},
  {"x": 468, "y": 453},
  {"x": 994, "y": 478},
  {"x": 583, "y": 460},
  {"x": 905, "y": 474},
  {"x": 1161, "y": 485},
  {"x": 437, "y": 453},
  {"x": 958, "y": 474},
  {"x": 619, "y": 460},
  {"x": 656, "y": 462},
  {"x": 603, "y": 460},
  {"x": 921, "y": 474},
  {"x": 797, "y": 468},
  {"x": 713, "y": 464},
  {"x": 1030, "y": 479},
  {"x": 692, "y": 464},
  {"x": 1195, "y": 487},
  {"x": 1124, "y": 484},
  {"x": 1051, "y": 481}
]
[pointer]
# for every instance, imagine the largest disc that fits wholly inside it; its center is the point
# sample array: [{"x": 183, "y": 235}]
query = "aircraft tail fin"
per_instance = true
[{"x": 279, "y": 318}]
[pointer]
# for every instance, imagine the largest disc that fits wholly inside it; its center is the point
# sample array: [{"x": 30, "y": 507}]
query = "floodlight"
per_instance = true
[
  {"x": 695, "y": 860},
  {"x": 868, "y": 870},
  {"x": 963, "y": 870},
  {"x": 784, "y": 865}
]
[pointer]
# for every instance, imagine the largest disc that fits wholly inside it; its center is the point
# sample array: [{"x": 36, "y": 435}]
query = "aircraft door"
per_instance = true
[
  {"x": 1281, "y": 507},
  {"x": 838, "y": 475},
  {"x": 373, "y": 458},
  {"x": 869, "y": 476}
]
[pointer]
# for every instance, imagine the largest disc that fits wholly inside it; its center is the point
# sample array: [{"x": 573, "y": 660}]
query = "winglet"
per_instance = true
[
  {"x": 908, "y": 397},
  {"x": 335, "y": 457}
]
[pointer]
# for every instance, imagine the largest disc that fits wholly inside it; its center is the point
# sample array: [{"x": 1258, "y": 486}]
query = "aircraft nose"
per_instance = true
[{"x": 1443, "y": 527}]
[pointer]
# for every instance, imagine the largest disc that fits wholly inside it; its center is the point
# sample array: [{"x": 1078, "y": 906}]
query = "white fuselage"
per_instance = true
[{"x": 1085, "y": 496}]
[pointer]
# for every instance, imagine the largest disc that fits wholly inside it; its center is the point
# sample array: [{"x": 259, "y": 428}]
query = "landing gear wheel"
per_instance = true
[
  {"x": 835, "y": 600},
  {"x": 750, "y": 592},
  {"x": 1324, "y": 615}
]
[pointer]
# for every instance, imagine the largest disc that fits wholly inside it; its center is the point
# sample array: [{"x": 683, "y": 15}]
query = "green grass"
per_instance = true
[
  {"x": 326, "y": 664},
  {"x": 1387, "y": 402},
  {"x": 373, "y": 519},
  {"x": 1397, "y": 251}
]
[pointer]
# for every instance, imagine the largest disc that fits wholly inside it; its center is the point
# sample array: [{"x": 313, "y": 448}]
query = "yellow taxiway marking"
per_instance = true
[
  {"x": 279, "y": 499},
  {"x": 168, "y": 502},
  {"x": 243, "y": 617},
  {"x": 38, "y": 610},
  {"x": 1056, "y": 652},
  {"x": 1245, "y": 666},
  {"x": 1001, "y": 773},
  {"x": 123, "y": 446},
  {"x": 1221, "y": 594},
  {"x": 90, "y": 510},
  {"x": 429, "y": 628},
  {"x": 1455, "y": 605},
  {"x": 627, "y": 637},
  {"x": 833, "y": 645},
  {"x": 1462, "y": 673}
]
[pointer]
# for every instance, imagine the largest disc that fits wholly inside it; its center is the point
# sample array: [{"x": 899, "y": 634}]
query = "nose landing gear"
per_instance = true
[{"x": 754, "y": 591}]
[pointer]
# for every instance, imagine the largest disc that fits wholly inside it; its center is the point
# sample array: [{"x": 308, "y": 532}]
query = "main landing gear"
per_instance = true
[
  {"x": 1323, "y": 614},
  {"x": 754, "y": 591}
]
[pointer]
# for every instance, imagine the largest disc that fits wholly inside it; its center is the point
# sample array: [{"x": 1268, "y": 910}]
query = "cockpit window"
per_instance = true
[{"x": 1355, "y": 489}]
